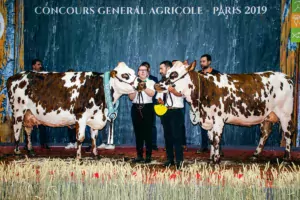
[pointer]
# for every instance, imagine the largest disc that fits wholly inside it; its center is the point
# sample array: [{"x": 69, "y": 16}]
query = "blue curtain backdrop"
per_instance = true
[{"x": 238, "y": 43}]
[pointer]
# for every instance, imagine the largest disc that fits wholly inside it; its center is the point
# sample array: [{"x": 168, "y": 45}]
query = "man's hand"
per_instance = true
[
  {"x": 171, "y": 89},
  {"x": 174, "y": 91},
  {"x": 141, "y": 86},
  {"x": 160, "y": 101}
]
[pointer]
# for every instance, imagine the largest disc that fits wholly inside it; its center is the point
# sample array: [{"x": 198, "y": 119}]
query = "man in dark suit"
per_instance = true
[{"x": 183, "y": 127}]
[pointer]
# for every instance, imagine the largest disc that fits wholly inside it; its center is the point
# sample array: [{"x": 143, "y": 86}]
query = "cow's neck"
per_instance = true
[
  {"x": 114, "y": 91},
  {"x": 192, "y": 93}
]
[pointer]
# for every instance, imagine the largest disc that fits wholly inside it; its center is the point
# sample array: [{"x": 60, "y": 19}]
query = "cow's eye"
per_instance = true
[
  {"x": 173, "y": 75},
  {"x": 125, "y": 76}
]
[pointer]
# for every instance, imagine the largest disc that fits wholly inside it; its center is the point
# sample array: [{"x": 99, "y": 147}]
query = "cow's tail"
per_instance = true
[{"x": 8, "y": 110}]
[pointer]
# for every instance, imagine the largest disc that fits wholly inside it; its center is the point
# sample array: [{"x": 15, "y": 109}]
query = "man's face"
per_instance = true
[
  {"x": 143, "y": 72},
  {"x": 37, "y": 66},
  {"x": 204, "y": 63},
  {"x": 163, "y": 69}
]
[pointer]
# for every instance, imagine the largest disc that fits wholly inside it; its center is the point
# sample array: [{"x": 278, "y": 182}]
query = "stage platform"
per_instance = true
[{"x": 237, "y": 155}]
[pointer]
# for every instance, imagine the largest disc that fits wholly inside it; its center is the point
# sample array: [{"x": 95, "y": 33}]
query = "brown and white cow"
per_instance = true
[
  {"x": 239, "y": 99},
  {"x": 63, "y": 99}
]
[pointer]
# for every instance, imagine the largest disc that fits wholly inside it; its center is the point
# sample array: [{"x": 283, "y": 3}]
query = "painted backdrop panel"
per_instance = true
[{"x": 238, "y": 43}]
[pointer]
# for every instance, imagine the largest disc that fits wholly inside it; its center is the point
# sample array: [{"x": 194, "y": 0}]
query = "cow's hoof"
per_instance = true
[
  {"x": 31, "y": 152},
  {"x": 17, "y": 152},
  {"x": 110, "y": 146},
  {"x": 97, "y": 157},
  {"x": 216, "y": 159},
  {"x": 78, "y": 157},
  {"x": 212, "y": 162},
  {"x": 254, "y": 158},
  {"x": 287, "y": 157}
]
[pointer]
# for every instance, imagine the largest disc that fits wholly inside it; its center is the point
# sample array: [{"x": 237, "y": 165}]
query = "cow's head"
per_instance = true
[
  {"x": 122, "y": 80},
  {"x": 177, "y": 76}
]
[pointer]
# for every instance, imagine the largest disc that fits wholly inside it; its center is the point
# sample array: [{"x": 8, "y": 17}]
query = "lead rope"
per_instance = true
[
  {"x": 198, "y": 98},
  {"x": 170, "y": 99},
  {"x": 140, "y": 105}
]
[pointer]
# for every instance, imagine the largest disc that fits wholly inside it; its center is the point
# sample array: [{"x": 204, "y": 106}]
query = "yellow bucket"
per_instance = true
[{"x": 160, "y": 109}]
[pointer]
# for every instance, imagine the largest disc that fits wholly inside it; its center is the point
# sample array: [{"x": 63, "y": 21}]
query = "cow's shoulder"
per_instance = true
[{"x": 20, "y": 78}]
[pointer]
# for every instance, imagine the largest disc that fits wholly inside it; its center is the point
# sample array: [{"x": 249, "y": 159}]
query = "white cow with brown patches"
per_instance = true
[
  {"x": 63, "y": 99},
  {"x": 239, "y": 99}
]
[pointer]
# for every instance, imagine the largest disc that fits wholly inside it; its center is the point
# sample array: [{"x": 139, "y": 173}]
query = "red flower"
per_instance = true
[
  {"x": 134, "y": 174},
  {"x": 198, "y": 176},
  {"x": 72, "y": 174},
  {"x": 96, "y": 175},
  {"x": 51, "y": 172},
  {"x": 37, "y": 171},
  {"x": 269, "y": 183},
  {"x": 240, "y": 176},
  {"x": 173, "y": 176},
  {"x": 219, "y": 176},
  {"x": 154, "y": 173}
]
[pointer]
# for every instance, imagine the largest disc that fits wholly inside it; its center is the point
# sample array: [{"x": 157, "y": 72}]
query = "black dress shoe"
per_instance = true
[
  {"x": 88, "y": 149},
  {"x": 221, "y": 153},
  {"x": 155, "y": 148},
  {"x": 138, "y": 159},
  {"x": 169, "y": 163},
  {"x": 179, "y": 165},
  {"x": 202, "y": 150},
  {"x": 148, "y": 160},
  {"x": 185, "y": 148}
]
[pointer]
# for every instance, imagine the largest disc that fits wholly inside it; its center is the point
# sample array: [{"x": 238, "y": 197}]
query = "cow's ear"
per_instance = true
[
  {"x": 186, "y": 62},
  {"x": 113, "y": 73},
  {"x": 192, "y": 66}
]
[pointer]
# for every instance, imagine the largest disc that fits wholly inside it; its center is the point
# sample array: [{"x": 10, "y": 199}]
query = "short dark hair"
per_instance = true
[
  {"x": 34, "y": 61},
  {"x": 167, "y": 63},
  {"x": 146, "y": 64},
  {"x": 208, "y": 57},
  {"x": 70, "y": 70}
]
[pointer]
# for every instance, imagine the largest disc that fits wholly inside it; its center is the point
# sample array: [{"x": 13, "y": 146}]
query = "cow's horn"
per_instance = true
[
  {"x": 192, "y": 66},
  {"x": 186, "y": 62},
  {"x": 113, "y": 73}
]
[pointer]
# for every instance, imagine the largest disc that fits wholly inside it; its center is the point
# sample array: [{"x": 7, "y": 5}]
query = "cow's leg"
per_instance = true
[
  {"x": 288, "y": 128},
  {"x": 80, "y": 132},
  {"x": 17, "y": 121},
  {"x": 212, "y": 150},
  {"x": 265, "y": 130},
  {"x": 28, "y": 131},
  {"x": 94, "y": 135},
  {"x": 215, "y": 137}
]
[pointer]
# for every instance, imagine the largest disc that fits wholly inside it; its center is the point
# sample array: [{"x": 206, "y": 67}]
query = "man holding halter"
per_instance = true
[{"x": 172, "y": 120}]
